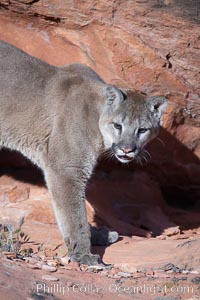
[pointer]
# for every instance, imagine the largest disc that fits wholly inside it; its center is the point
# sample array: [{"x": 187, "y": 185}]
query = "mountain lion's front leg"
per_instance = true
[{"x": 68, "y": 195}]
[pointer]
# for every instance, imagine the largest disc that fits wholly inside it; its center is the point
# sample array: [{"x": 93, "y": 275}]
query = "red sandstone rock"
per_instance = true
[
  {"x": 49, "y": 278},
  {"x": 73, "y": 266},
  {"x": 48, "y": 268}
]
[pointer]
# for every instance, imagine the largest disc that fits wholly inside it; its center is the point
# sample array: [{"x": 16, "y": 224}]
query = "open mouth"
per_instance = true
[{"x": 124, "y": 158}]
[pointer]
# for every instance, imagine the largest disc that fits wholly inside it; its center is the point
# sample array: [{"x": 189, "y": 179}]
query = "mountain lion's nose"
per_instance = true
[{"x": 128, "y": 150}]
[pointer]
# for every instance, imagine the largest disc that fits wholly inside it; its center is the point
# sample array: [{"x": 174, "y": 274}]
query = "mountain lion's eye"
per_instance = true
[
  {"x": 117, "y": 126},
  {"x": 142, "y": 130}
]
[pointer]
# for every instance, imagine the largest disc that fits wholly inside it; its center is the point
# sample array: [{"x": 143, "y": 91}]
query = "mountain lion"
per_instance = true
[{"x": 63, "y": 119}]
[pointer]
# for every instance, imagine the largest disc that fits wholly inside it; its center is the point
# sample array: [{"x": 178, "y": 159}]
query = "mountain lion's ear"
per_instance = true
[
  {"x": 157, "y": 105},
  {"x": 114, "y": 96}
]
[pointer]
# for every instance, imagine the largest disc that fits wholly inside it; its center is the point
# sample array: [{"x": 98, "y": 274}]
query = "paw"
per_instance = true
[
  {"x": 86, "y": 259},
  {"x": 102, "y": 236},
  {"x": 113, "y": 237}
]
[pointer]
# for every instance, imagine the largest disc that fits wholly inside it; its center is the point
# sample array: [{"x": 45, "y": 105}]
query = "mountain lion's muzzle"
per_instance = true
[{"x": 124, "y": 152}]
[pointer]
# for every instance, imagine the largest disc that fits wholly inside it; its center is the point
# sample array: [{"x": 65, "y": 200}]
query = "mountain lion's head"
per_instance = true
[{"x": 129, "y": 121}]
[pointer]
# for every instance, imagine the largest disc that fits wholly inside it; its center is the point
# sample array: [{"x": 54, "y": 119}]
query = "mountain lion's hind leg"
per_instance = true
[{"x": 68, "y": 196}]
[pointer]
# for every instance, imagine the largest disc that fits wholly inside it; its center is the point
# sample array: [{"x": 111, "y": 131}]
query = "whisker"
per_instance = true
[
  {"x": 144, "y": 157},
  {"x": 147, "y": 153},
  {"x": 139, "y": 160},
  {"x": 110, "y": 155},
  {"x": 106, "y": 155},
  {"x": 103, "y": 155},
  {"x": 161, "y": 141}
]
